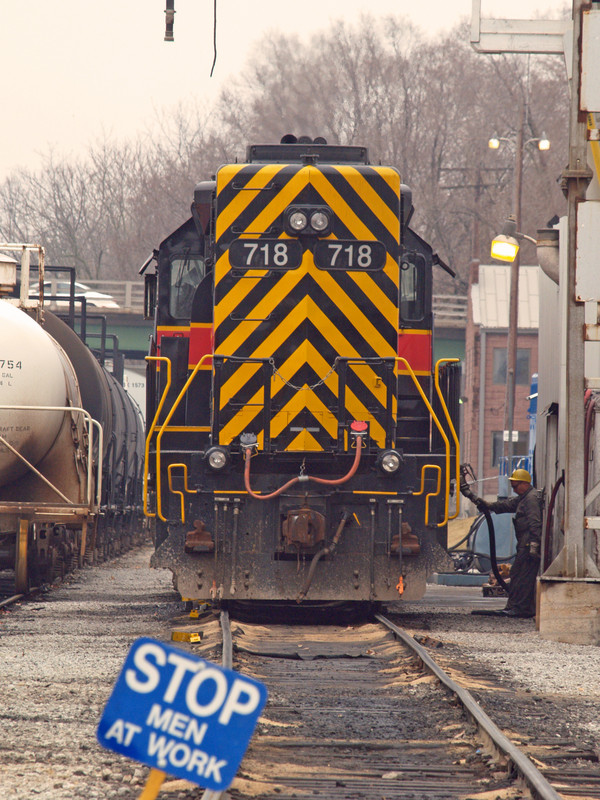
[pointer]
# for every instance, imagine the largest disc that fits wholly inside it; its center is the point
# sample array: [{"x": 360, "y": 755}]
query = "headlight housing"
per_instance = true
[
  {"x": 319, "y": 221},
  {"x": 217, "y": 458},
  {"x": 307, "y": 220},
  {"x": 297, "y": 221},
  {"x": 390, "y": 461}
]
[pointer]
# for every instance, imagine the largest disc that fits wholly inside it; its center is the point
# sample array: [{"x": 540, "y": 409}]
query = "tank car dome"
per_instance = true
[{"x": 31, "y": 374}]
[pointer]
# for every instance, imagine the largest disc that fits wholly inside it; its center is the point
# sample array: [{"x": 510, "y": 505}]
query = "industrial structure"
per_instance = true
[{"x": 569, "y": 374}]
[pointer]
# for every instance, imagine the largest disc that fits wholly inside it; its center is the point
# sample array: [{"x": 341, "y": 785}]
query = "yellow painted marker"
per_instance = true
[{"x": 186, "y": 636}]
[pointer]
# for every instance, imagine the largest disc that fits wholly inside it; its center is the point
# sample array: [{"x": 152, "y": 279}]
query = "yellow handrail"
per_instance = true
[
  {"x": 170, "y": 469},
  {"x": 441, "y": 430},
  {"x": 431, "y": 494},
  {"x": 164, "y": 426},
  {"x": 152, "y": 428},
  {"x": 451, "y": 426}
]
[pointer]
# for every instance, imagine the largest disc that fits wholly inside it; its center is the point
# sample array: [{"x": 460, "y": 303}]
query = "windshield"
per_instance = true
[
  {"x": 186, "y": 274},
  {"x": 412, "y": 288}
]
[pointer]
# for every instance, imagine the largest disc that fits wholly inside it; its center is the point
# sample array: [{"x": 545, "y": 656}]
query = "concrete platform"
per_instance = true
[{"x": 568, "y": 610}]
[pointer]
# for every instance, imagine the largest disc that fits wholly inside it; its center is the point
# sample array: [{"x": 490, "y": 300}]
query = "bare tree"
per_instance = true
[{"x": 426, "y": 107}]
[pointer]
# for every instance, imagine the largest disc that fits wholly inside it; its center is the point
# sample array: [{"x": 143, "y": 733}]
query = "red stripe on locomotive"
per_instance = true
[
  {"x": 201, "y": 342},
  {"x": 415, "y": 347}
]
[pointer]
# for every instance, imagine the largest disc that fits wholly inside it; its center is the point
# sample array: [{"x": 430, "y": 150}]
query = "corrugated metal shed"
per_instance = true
[{"x": 490, "y": 297}]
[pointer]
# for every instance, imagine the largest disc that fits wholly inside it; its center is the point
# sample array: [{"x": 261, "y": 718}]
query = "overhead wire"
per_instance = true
[{"x": 214, "y": 37}]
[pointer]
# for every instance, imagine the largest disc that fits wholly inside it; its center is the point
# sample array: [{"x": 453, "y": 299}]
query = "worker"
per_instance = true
[{"x": 527, "y": 508}]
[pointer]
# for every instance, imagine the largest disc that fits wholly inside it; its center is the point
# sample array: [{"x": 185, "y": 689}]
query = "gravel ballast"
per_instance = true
[{"x": 62, "y": 651}]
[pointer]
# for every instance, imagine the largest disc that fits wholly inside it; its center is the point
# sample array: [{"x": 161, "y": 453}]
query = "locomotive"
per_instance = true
[
  {"x": 71, "y": 443},
  {"x": 302, "y": 445}
]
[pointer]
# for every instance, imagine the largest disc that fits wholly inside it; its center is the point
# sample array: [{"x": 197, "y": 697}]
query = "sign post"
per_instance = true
[{"x": 180, "y": 715}]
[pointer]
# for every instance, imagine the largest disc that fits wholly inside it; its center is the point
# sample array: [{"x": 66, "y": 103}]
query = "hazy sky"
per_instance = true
[{"x": 73, "y": 70}]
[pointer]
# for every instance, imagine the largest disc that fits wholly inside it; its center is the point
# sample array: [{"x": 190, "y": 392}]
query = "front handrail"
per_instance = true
[
  {"x": 152, "y": 428},
  {"x": 164, "y": 425},
  {"x": 440, "y": 429},
  {"x": 186, "y": 488},
  {"x": 430, "y": 494},
  {"x": 450, "y": 425}
]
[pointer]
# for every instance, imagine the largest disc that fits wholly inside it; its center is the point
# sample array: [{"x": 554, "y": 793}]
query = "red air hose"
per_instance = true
[
  {"x": 349, "y": 474},
  {"x": 333, "y": 482}
]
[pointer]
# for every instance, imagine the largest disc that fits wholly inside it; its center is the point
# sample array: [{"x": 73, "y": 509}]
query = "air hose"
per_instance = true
[
  {"x": 326, "y": 481},
  {"x": 325, "y": 551},
  {"x": 492, "y": 536},
  {"x": 549, "y": 515},
  {"x": 465, "y": 470}
]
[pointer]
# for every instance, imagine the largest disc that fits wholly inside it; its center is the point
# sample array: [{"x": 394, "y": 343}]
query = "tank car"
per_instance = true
[
  {"x": 71, "y": 448},
  {"x": 301, "y": 445}
]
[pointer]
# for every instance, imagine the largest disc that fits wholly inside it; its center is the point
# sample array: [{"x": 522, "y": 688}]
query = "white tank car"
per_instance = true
[
  {"x": 32, "y": 373},
  {"x": 79, "y": 496}
]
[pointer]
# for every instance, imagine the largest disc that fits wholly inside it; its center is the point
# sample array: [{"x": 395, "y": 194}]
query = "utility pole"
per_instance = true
[
  {"x": 513, "y": 316},
  {"x": 575, "y": 178}
]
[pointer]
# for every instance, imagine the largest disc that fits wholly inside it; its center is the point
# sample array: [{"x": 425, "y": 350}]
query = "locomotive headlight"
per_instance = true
[
  {"x": 319, "y": 221},
  {"x": 217, "y": 458},
  {"x": 390, "y": 461},
  {"x": 298, "y": 221}
]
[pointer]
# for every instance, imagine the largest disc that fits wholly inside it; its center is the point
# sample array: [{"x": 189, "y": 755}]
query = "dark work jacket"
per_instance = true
[{"x": 527, "y": 509}]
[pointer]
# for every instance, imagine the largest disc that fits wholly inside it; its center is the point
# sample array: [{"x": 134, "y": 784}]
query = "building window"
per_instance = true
[
  {"x": 520, "y": 445},
  {"x": 522, "y": 377}
]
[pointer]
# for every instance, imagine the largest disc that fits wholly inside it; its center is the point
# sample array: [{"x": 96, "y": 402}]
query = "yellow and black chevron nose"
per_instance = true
[{"x": 306, "y": 320}]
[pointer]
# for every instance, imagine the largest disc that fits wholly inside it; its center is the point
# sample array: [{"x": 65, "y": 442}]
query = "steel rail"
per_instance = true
[
  {"x": 227, "y": 662},
  {"x": 537, "y": 784},
  {"x": 10, "y": 600}
]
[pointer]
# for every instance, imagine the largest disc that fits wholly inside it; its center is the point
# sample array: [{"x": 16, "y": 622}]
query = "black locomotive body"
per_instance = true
[{"x": 301, "y": 444}]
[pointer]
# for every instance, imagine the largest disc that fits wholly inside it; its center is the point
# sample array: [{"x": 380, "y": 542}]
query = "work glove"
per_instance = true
[
  {"x": 534, "y": 549},
  {"x": 463, "y": 486}
]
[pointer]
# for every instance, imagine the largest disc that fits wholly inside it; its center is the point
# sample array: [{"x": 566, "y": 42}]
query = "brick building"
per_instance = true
[{"x": 484, "y": 397}]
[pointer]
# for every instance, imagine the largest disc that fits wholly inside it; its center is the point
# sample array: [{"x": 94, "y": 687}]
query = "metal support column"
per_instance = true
[
  {"x": 570, "y": 562},
  {"x": 21, "y": 578}
]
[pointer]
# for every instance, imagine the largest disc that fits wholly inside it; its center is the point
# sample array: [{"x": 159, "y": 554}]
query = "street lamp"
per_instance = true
[
  {"x": 506, "y": 248},
  {"x": 543, "y": 143}
]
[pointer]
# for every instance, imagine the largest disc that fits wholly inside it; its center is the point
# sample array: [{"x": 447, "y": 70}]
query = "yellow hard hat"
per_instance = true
[{"x": 521, "y": 475}]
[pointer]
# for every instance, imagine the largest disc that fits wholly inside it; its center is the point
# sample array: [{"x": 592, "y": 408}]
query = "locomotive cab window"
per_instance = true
[
  {"x": 186, "y": 274},
  {"x": 412, "y": 288}
]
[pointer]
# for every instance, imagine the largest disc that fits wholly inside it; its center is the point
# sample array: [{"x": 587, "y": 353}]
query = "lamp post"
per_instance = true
[{"x": 512, "y": 230}]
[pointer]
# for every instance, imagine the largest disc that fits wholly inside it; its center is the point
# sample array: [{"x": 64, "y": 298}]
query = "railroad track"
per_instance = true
[{"x": 364, "y": 712}]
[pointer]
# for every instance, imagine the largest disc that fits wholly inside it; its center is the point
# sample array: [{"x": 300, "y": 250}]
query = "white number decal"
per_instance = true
[
  {"x": 364, "y": 255},
  {"x": 350, "y": 254},
  {"x": 252, "y": 249},
  {"x": 265, "y": 254},
  {"x": 336, "y": 251},
  {"x": 281, "y": 254},
  {"x": 363, "y": 258},
  {"x": 278, "y": 252}
]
